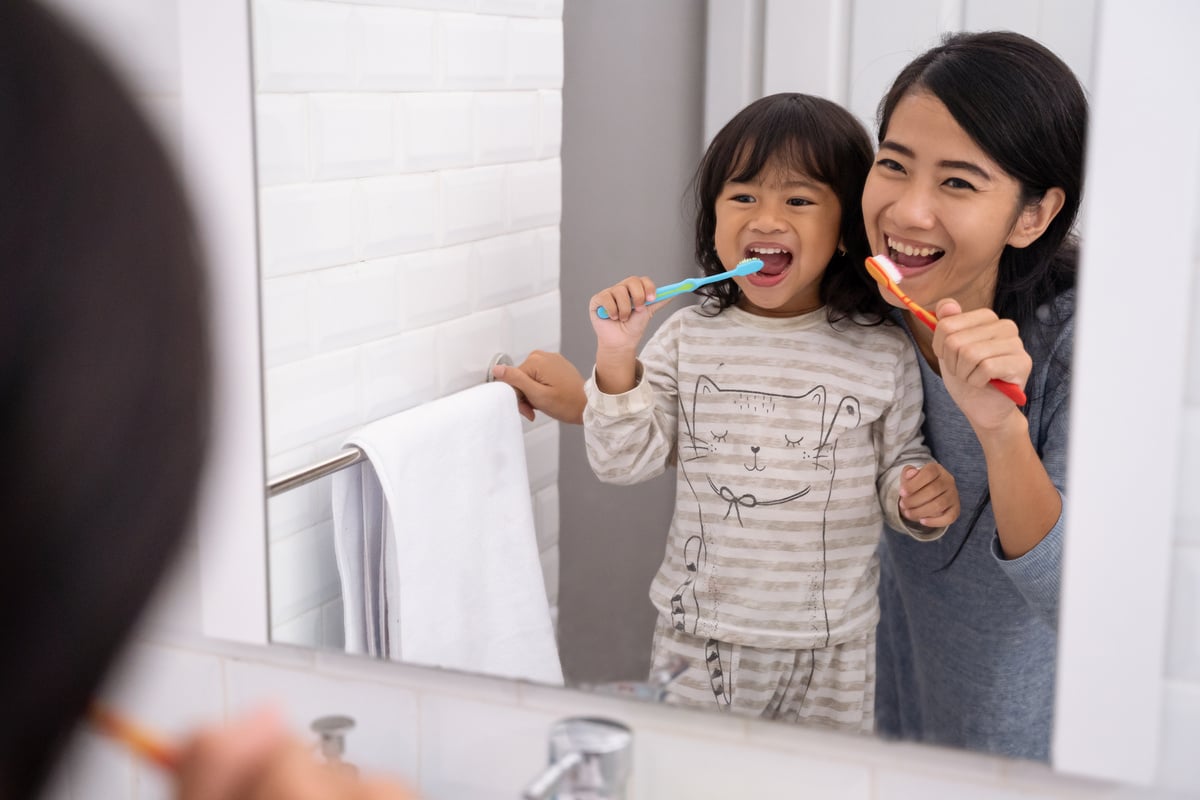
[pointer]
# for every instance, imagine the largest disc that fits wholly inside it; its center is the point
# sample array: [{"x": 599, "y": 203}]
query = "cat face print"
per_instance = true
[{"x": 762, "y": 448}]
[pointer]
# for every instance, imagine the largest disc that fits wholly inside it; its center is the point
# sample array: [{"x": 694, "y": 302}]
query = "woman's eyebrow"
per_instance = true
[{"x": 968, "y": 166}]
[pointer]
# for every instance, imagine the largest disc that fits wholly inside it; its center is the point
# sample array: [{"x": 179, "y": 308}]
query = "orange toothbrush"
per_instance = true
[
  {"x": 888, "y": 276},
  {"x": 140, "y": 741}
]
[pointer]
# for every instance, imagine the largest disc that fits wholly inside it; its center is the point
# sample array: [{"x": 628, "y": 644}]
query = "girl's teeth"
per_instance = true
[{"x": 767, "y": 251}]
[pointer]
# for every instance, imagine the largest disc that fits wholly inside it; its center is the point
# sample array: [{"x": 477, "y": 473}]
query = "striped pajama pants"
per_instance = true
[{"x": 828, "y": 687}]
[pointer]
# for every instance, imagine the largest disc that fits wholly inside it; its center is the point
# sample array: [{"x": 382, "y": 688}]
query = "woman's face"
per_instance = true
[{"x": 939, "y": 207}]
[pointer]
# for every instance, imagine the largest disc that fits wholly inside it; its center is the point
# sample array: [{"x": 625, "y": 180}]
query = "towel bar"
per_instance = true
[{"x": 348, "y": 457}]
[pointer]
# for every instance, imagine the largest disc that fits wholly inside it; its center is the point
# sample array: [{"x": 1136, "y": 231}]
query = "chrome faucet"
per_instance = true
[{"x": 590, "y": 759}]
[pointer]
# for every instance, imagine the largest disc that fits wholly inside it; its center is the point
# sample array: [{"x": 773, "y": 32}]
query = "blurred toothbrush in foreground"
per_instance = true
[
  {"x": 888, "y": 276},
  {"x": 746, "y": 267}
]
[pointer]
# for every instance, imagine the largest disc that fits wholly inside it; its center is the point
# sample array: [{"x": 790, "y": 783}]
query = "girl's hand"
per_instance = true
[
  {"x": 255, "y": 759},
  {"x": 974, "y": 347},
  {"x": 928, "y": 496},
  {"x": 628, "y": 314}
]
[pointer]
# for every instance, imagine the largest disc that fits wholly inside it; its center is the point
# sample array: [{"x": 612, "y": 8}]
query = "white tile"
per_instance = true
[
  {"x": 536, "y": 53},
  {"x": 536, "y": 324},
  {"x": 298, "y": 508},
  {"x": 354, "y": 304},
  {"x": 474, "y": 55},
  {"x": 399, "y": 214},
  {"x": 1183, "y": 639},
  {"x": 511, "y": 8},
  {"x": 541, "y": 455},
  {"x": 397, "y": 49},
  {"x": 438, "y": 130},
  {"x": 893, "y": 784},
  {"x": 668, "y": 766},
  {"x": 168, "y": 690},
  {"x": 535, "y": 193},
  {"x": 303, "y": 630},
  {"x": 552, "y": 8},
  {"x": 550, "y": 124},
  {"x": 303, "y": 573},
  {"x": 310, "y": 399},
  {"x": 306, "y": 226},
  {"x": 551, "y": 241},
  {"x": 504, "y": 746},
  {"x": 465, "y": 348},
  {"x": 284, "y": 461},
  {"x": 473, "y": 203},
  {"x": 281, "y": 138},
  {"x": 399, "y": 373},
  {"x": 286, "y": 325},
  {"x": 508, "y": 268},
  {"x": 546, "y": 515},
  {"x": 424, "y": 680},
  {"x": 436, "y": 285},
  {"x": 302, "y": 46},
  {"x": 385, "y": 736},
  {"x": 1177, "y": 769},
  {"x": 508, "y": 124},
  {"x": 352, "y": 135}
]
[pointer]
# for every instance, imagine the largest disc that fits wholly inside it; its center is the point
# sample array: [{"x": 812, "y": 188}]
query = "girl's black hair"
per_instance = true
[
  {"x": 819, "y": 139},
  {"x": 1024, "y": 107},
  {"x": 104, "y": 379}
]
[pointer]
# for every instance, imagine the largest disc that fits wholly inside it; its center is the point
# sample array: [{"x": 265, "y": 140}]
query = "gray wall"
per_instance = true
[{"x": 632, "y": 116}]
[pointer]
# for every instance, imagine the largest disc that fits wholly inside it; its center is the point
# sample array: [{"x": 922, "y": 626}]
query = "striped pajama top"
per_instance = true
[{"x": 789, "y": 436}]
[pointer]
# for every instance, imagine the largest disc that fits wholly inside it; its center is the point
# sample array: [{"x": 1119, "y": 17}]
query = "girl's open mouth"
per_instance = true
[{"x": 776, "y": 261}]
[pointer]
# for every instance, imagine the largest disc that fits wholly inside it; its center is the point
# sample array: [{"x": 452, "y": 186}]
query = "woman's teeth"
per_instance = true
[{"x": 908, "y": 250}]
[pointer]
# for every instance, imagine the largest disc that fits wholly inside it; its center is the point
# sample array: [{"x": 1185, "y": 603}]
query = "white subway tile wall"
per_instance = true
[{"x": 410, "y": 195}]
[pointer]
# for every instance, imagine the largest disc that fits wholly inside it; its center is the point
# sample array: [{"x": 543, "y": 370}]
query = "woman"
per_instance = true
[
  {"x": 104, "y": 382},
  {"x": 974, "y": 193}
]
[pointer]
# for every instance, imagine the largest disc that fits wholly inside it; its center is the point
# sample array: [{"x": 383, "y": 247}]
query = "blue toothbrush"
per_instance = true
[{"x": 747, "y": 267}]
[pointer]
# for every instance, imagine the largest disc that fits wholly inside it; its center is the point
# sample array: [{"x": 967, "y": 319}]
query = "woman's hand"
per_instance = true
[
  {"x": 255, "y": 759},
  {"x": 972, "y": 348},
  {"x": 546, "y": 382}
]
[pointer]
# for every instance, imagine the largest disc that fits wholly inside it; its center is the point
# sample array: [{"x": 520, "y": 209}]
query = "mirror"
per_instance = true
[{"x": 411, "y": 163}]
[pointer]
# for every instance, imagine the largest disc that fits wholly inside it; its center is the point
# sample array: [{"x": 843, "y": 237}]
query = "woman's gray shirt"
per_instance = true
[{"x": 967, "y": 639}]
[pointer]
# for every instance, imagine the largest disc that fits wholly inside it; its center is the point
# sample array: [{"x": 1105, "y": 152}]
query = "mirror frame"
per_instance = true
[{"x": 1122, "y": 742}]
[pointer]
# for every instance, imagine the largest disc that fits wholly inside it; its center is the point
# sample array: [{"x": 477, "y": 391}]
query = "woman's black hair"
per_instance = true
[
  {"x": 817, "y": 138},
  {"x": 1025, "y": 108},
  {"x": 104, "y": 378}
]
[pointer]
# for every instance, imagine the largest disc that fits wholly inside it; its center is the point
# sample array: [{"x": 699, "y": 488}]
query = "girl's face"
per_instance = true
[
  {"x": 939, "y": 207},
  {"x": 790, "y": 221}
]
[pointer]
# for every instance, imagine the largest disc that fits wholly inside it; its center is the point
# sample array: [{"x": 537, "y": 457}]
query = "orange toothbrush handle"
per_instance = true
[
  {"x": 139, "y": 740},
  {"x": 1009, "y": 390}
]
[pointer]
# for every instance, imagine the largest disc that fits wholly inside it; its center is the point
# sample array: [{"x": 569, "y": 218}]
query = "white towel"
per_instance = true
[{"x": 435, "y": 541}]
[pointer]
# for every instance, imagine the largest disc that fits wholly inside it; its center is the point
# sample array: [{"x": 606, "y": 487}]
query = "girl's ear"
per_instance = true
[{"x": 1036, "y": 217}]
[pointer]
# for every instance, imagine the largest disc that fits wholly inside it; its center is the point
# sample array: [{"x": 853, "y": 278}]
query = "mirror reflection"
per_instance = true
[{"x": 440, "y": 187}]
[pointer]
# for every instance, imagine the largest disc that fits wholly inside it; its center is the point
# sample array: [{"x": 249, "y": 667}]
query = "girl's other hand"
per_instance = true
[
  {"x": 974, "y": 347},
  {"x": 255, "y": 759},
  {"x": 929, "y": 495},
  {"x": 546, "y": 382}
]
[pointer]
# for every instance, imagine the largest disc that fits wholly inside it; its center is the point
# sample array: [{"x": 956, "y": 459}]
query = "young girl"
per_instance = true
[{"x": 793, "y": 413}]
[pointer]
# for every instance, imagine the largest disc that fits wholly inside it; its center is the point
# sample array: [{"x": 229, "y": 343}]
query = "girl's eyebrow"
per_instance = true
[{"x": 968, "y": 166}]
